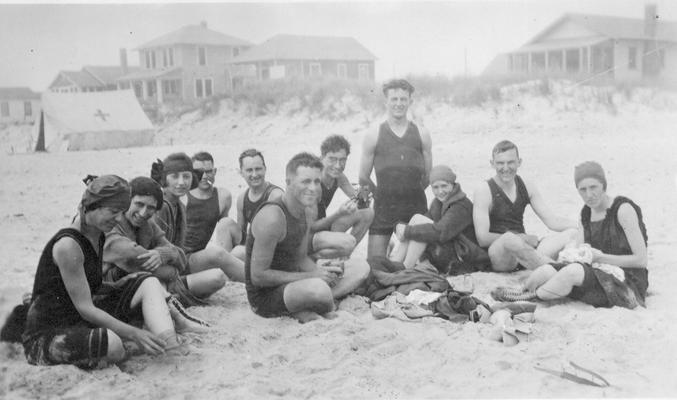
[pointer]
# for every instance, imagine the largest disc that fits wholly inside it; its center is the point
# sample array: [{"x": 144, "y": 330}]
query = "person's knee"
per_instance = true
[
  {"x": 573, "y": 274},
  {"x": 511, "y": 242},
  {"x": 418, "y": 219},
  {"x": 116, "y": 350},
  {"x": 314, "y": 294},
  {"x": 347, "y": 244},
  {"x": 216, "y": 277},
  {"x": 359, "y": 269}
]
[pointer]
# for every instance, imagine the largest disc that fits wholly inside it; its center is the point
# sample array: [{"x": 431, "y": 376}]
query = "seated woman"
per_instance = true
[
  {"x": 73, "y": 318},
  {"x": 436, "y": 235},
  {"x": 613, "y": 227}
]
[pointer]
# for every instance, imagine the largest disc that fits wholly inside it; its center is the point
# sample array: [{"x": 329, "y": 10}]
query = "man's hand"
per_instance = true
[
  {"x": 329, "y": 272},
  {"x": 348, "y": 208},
  {"x": 399, "y": 231},
  {"x": 153, "y": 260},
  {"x": 531, "y": 240}
]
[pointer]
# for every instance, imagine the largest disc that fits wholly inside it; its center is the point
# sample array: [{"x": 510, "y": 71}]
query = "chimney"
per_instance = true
[
  {"x": 650, "y": 20},
  {"x": 203, "y": 24},
  {"x": 123, "y": 60}
]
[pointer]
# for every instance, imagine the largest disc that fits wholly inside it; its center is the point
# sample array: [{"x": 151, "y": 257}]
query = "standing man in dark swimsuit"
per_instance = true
[
  {"x": 280, "y": 277},
  {"x": 253, "y": 170},
  {"x": 498, "y": 215},
  {"x": 329, "y": 239},
  {"x": 401, "y": 156}
]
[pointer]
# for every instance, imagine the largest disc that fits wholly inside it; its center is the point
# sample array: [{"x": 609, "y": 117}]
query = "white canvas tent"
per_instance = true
[{"x": 91, "y": 121}]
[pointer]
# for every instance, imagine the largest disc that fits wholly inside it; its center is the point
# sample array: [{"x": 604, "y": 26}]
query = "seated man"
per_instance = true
[
  {"x": 259, "y": 191},
  {"x": 445, "y": 235},
  {"x": 329, "y": 240},
  {"x": 136, "y": 244},
  {"x": 281, "y": 278},
  {"x": 176, "y": 176},
  {"x": 207, "y": 210},
  {"x": 498, "y": 214}
]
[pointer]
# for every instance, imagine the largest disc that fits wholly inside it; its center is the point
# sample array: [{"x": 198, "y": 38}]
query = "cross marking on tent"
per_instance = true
[{"x": 101, "y": 114}]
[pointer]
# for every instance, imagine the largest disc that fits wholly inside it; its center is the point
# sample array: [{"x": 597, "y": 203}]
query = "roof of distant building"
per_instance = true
[
  {"x": 294, "y": 47},
  {"x": 18, "y": 93},
  {"x": 195, "y": 34},
  {"x": 108, "y": 75},
  {"x": 615, "y": 27}
]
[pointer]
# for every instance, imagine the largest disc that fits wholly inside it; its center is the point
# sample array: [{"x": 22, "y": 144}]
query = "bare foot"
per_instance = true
[{"x": 306, "y": 316}]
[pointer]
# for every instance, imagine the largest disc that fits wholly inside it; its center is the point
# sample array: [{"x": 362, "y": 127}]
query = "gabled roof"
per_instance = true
[
  {"x": 195, "y": 34},
  {"x": 108, "y": 75},
  {"x": 18, "y": 93},
  {"x": 294, "y": 47},
  {"x": 81, "y": 78},
  {"x": 614, "y": 27}
]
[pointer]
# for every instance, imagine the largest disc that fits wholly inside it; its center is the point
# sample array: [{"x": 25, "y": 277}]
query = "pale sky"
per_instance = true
[{"x": 36, "y": 41}]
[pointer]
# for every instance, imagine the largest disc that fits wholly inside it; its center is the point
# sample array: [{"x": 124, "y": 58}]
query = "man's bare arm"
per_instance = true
[
  {"x": 367, "y": 160},
  {"x": 480, "y": 216},
  {"x": 225, "y": 202},
  {"x": 426, "y": 141}
]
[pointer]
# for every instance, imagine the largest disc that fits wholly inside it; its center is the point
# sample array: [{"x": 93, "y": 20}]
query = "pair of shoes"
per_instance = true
[
  {"x": 503, "y": 293},
  {"x": 183, "y": 321}
]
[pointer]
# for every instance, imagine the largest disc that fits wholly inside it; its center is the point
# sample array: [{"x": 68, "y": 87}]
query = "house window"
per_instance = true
[
  {"x": 198, "y": 88},
  {"x": 138, "y": 89},
  {"x": 152, "y": 88},
  {"x": 363, "y": 72},
  {"x": 236, "y": 51},
  {"x": 152, "y": 59},
  {"x": 170, "y": 87},
  {"x": 147, "y": 59},
  {"x": 28, "y": 109},
  {"x": 208, "y": 87},
  {"x": 341, "y": 70},
  {"x": 165, "y": 58},
  {"x": 5, "y": 109},
  {"x": 201, "y": 56},
  {"x": 171, "y": 56},
  {"x": 632, "y": 57},
  {"x": 315, "y": 69}
]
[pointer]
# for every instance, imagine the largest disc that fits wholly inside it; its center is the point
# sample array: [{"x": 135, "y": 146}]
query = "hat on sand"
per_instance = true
[
  {"x": 589, "y": 169},
  {"x": 442, "y": 173},
  {"x": 106, "y": 191}
]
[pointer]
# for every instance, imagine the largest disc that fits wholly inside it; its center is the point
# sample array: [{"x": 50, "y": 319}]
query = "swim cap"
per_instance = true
[
  {"x": 106, "y": 191},
  {"x": 589, "y": 169},
  {"x": 442, "y": 173}
]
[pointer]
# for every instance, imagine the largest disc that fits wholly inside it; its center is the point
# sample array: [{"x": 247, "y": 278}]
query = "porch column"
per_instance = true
[
  {"x": 144, "y": 90},
  {"x": 589, "y": 58},
  {"x": 547, "y": 64},
  {"x": 158, "y": 86},
  {"x": 529, "y": 68},
  {"x": 564, "y": 60}
]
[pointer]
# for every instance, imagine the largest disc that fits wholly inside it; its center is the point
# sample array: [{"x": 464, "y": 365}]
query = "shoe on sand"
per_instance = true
[
  {"x": 183, "y": 321},
  {"x": 503, "y": 293}
]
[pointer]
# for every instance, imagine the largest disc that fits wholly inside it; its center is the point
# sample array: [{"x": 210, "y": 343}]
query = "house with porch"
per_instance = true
[
  {"x": 91, "y": 78},
  {"x": 613, "y": 48},
  {"x": 18, "y": 105},
  {"x": 305, "y": 57},
  {"x": 185, "y": 65}
]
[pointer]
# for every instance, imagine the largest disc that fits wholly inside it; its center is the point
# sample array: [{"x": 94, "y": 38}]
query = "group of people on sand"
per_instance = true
[{"x": 116, "y": 281}]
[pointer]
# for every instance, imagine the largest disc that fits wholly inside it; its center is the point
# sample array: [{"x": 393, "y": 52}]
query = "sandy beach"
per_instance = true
[{"x": 356, "y": 356}]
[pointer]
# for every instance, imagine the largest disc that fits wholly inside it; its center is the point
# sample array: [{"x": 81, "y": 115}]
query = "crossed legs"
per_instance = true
[{"x": 510, "y": 249}]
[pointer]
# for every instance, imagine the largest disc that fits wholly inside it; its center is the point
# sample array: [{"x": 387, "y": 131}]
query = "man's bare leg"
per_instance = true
[
  {"x": 551, "y": 245},
  {"x": 355, "y": 272},
  {"x": 358, "y": 223},
  {"x": 308, "y": 299},
  {"x": 217, "y": 257},
  {"x": 226, "y": 234},
  {"x": 377, "y": 245},
  {"x": 328, "y": 244}
]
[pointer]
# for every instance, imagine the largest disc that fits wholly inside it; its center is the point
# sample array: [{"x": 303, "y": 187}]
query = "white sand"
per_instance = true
[{"x": 355, "y": 356}]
